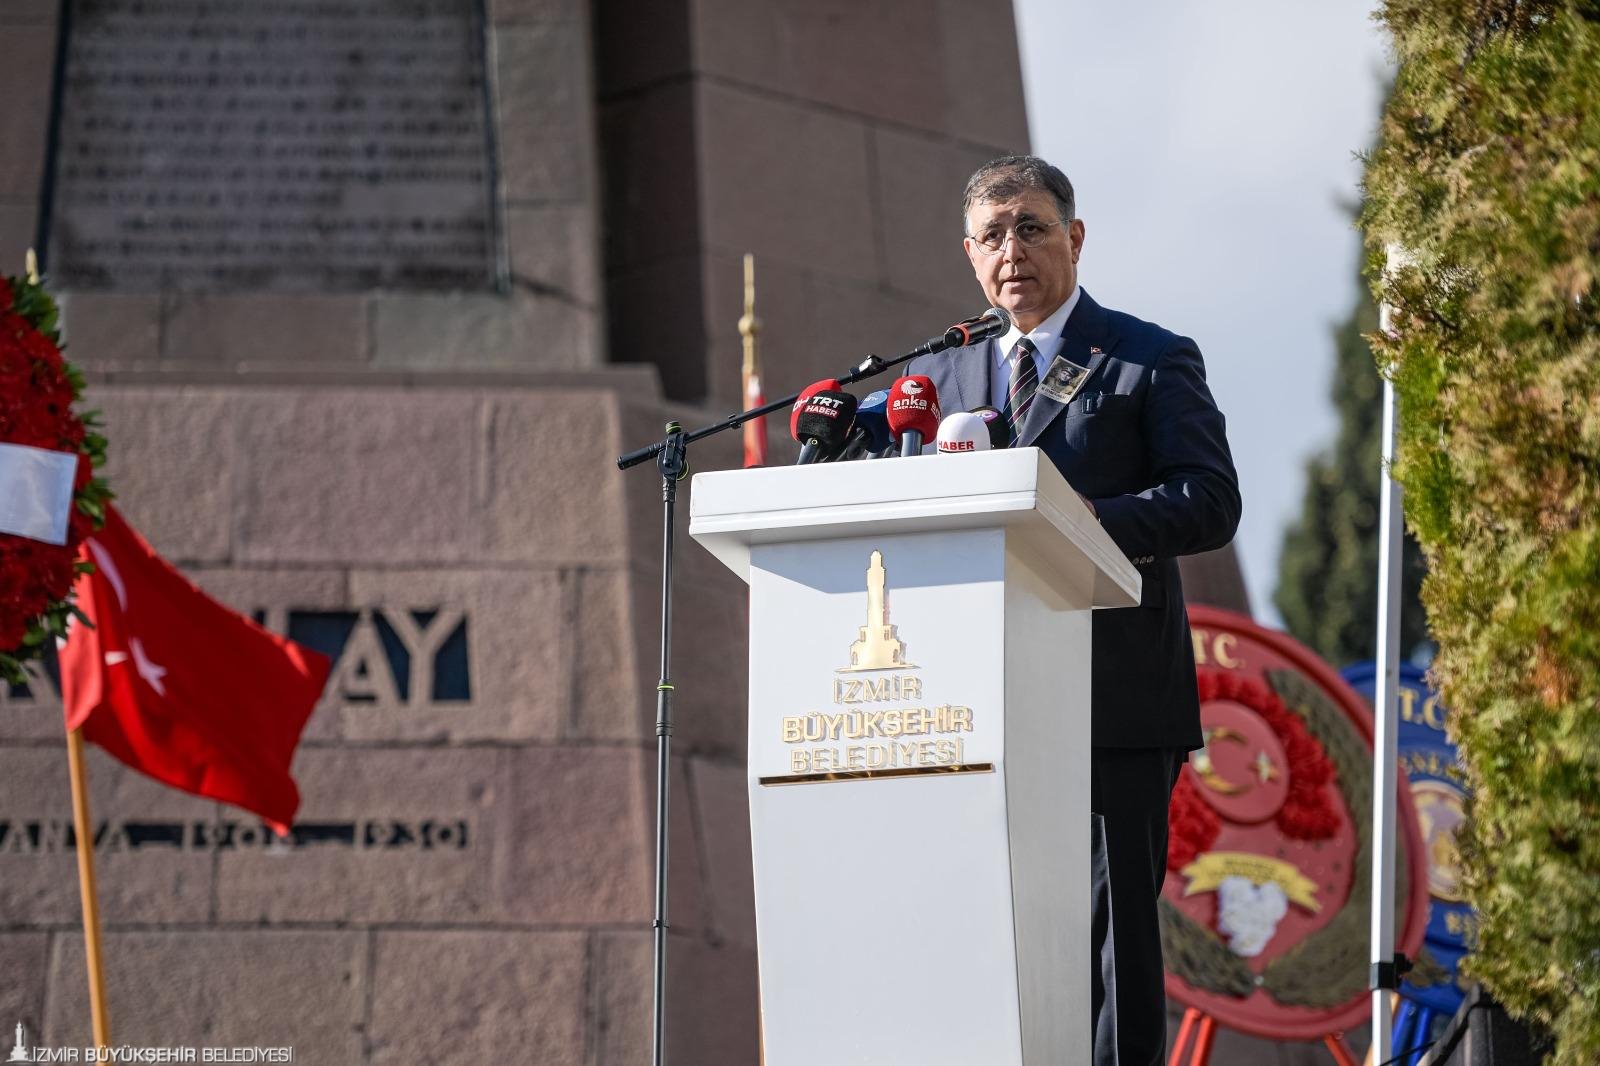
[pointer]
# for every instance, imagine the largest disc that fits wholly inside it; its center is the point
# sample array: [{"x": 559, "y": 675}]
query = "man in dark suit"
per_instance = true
[{"x": 1131, "y": 425}]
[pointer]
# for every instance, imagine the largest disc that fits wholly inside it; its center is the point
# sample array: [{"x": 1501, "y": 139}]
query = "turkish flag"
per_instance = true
[{"x": 181, "y": 688}]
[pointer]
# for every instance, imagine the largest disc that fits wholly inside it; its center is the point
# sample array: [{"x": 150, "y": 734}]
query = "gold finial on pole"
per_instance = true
[{"x": 31, "y": 267}]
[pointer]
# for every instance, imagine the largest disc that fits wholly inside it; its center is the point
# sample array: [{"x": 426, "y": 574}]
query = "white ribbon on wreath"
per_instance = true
[{"x": 36, "y": 492}]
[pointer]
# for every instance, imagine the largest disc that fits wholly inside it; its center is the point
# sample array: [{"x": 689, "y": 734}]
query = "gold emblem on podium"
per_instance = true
[{"x": 877, "y": 646}]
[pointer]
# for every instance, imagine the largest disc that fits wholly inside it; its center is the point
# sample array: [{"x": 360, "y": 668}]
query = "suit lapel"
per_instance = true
[
  {"x": 971, "y": 377},
  {"x": 1086, "y": 340}
]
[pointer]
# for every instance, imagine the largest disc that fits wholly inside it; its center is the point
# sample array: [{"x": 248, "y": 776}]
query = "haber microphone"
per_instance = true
[
  {"x": 913, "y": 412},
  {"x": 999, "y": 432},
  {"x": 870, "y": 434},
  {"x": 823, "y": 424},
  {"x": 962, "y": 432},
  {"x": 809, "y": 391},
  {"x": 992, "y": 323}
]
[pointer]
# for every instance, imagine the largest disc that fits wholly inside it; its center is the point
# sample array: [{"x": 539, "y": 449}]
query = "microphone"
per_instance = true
[
  {"x": 992, "y": 323},
  {"x": 870, "y": 434},
  {"x": 999, "y": 432},
  {"x": 913, "y": 412},
  {"x": 962, "y": 432},
  {"x": 809, "y": 391},
  {"x": 823, "y": 424}
]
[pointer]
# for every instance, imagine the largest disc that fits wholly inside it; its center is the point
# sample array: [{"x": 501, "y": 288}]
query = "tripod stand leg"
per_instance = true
[
  {"x": 1186, "y": 1027},
  {"x": 1203, "y": 1039},
  {"x": 1339, "y": 1049}
]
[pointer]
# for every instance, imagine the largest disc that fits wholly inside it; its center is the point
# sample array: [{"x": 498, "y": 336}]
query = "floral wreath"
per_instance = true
[
  {"x": 1329, "y": 968},
  {"x": 38, "y": 389},
  {"x": 1306, "y": 813}
]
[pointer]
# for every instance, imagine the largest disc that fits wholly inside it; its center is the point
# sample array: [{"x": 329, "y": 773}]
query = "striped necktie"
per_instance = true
[{"x": 1024, "y": 380}]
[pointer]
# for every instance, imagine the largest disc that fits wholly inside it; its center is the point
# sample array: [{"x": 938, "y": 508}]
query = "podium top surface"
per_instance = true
[{"x": 1015, "y": 488}]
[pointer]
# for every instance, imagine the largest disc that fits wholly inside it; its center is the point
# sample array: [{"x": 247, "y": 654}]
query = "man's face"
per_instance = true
[{"x": 1028, "y": 282}]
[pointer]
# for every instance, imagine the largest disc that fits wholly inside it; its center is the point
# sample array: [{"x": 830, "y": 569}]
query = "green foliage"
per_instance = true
[
  {"x": 1488, "y": 174},
  {"x": 33, "y": 302},
  {"x": 1328, "y": 569}
]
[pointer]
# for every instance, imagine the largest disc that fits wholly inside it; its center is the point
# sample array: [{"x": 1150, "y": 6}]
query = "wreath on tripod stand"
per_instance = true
[{"x": 39, "y": 391}]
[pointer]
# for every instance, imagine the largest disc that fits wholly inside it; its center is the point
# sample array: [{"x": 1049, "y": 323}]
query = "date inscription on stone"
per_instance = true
[{"x": 284, "y": 145}]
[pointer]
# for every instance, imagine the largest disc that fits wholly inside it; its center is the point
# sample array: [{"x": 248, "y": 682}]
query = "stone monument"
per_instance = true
[{"x": 371, "y": 295}]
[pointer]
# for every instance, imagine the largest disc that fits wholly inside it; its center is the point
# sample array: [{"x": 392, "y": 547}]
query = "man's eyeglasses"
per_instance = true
[{"x": 1030, "y": 233}]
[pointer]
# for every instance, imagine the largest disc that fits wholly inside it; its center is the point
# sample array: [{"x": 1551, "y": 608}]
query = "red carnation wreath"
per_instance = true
[
  {"x": 37, "y": 391},
  {"x": 1306, "y": 814}
]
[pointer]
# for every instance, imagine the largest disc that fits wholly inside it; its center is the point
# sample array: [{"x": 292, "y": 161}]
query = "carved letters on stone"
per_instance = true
[
  {"x": 384, "y": 658},
  {"x": 292, "y": 145},
  {"x": 388, "y": 657},
  {"x": 56, "y": 835}
]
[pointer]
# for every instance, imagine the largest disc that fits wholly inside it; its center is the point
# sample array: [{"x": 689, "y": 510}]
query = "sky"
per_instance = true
[{"x": 1213, "y": 148}]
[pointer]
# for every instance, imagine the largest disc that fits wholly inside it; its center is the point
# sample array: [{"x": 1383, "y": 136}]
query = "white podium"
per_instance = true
[{"x": 919, "y": 753}]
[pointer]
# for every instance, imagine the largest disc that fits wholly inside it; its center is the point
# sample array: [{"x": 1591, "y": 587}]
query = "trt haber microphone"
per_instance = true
[
  {"x": 913, "y": 412},
  {"x": 825, "y": 385},
  {"x": 992, "y": 323},
  {"x": 870, "y": 434},
  {"x": 823, "y": 425},
  {"x": 999, "y": 433},
  {"x": 962, "y": 432}
]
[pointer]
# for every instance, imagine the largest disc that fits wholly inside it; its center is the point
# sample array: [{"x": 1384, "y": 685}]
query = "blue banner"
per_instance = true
[{"x": 1438, "y": 788}]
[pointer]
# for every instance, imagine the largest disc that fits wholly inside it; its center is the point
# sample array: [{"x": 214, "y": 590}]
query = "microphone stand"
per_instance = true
[
  {"x": 672, "y": 461},
  {"x": 868, "y": 367}
]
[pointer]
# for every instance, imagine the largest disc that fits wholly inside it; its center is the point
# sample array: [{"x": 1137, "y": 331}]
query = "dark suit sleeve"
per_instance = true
[{"x": 1193, "y": 502}]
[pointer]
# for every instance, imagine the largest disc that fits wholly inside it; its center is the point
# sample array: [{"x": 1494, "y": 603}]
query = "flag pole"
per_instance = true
[
  {"x": 755, "y": 448},
  {"x": 1386, "y": 701},
  {"x": 755, "y": 430},
  {"x": 86, "y": 888}
]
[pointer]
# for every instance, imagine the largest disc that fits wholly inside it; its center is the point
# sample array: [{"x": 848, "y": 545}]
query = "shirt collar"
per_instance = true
[{"x": 1046, "y": 336}]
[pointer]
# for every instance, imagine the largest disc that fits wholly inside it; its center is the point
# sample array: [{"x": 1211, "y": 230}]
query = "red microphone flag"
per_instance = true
[
  {"x": 914, "y": 406},
  {"x": 179, "y": 687},
  {"x": 825, "y": 385}
]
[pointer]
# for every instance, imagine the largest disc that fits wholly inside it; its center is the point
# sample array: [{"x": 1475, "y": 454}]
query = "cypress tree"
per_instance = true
[
  {"x": 1487, "y": 176},
  {"x": 1328, "y": 568}
]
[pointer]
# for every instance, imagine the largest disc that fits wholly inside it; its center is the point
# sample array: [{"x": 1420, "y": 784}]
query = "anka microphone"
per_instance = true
[
  {"x": 992, "y": 323},
  {"x": 809, "y": 391},
  {"x": 913, "y": 412},
  {"x": 823, "y": 425},
  {"x": 870, "y": 434},
  {"x": 962, "y": 432},
  {"x": 999, "y": 433}
]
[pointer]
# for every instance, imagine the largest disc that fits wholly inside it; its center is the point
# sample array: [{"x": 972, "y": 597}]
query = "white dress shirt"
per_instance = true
[{"x": 1046, "y": 338}]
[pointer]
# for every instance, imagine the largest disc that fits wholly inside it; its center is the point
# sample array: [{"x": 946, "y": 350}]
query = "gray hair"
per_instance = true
[{"x": 1003, "y": 178}]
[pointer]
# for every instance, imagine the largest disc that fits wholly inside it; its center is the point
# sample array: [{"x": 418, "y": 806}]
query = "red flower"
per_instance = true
[
  {"x": 36, "y": 400},
  {"x": 1307, "y": 812},
  {"x": 1192, "y": 825}
]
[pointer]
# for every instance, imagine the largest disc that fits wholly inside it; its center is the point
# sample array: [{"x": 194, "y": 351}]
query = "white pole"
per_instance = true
[{"x": 1386, "y": 700}]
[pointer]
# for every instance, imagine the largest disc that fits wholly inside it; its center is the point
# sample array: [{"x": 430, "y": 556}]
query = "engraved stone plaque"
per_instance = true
[{"x": 284, "y": 145}]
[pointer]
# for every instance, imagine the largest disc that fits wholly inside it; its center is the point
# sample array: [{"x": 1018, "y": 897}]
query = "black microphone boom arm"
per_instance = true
[{"x": 871, "y": 366}]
